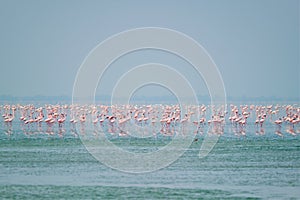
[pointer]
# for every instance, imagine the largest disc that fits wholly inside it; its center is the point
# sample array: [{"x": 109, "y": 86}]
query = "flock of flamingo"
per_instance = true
[{"x": 153, "y": 119}]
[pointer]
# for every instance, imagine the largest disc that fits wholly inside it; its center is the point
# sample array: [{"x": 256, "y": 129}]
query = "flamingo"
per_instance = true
[
  {"x": 62, "y": 119},
  {"x": 10, "y": 117}
]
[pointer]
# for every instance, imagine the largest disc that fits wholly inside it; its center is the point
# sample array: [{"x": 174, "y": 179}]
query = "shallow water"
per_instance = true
[{"x": 35, "y": 166}]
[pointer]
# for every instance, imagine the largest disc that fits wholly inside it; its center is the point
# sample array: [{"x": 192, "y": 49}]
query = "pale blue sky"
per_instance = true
[{"x": 255, "y": 43}]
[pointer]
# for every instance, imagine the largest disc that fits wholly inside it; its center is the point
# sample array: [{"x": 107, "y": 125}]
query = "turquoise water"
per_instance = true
[
  {"x": 237, "y": 168},
  {"x": 38, "y": 164}
]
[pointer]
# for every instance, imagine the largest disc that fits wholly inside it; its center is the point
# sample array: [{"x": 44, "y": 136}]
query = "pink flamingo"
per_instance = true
[
  {"x": 62, "y": 119},
  {"x": 11, "y": 117}
]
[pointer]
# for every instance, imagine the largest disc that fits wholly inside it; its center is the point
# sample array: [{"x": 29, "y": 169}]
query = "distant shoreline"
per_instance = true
[{"x": 141, "y": 99}]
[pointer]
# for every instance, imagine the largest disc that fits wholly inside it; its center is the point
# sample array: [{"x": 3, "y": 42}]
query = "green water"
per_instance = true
[{"x": 237, "y": 168}]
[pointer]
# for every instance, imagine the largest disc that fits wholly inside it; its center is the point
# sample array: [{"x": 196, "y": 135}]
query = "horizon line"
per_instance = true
[{"x": 143, "y": 98}]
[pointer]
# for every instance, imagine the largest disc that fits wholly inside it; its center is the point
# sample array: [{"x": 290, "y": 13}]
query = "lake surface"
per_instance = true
[{"x": 35, "y": 165}]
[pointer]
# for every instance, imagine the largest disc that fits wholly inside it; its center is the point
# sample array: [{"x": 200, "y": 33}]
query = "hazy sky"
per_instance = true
[{"x": 255, "y": 43}]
